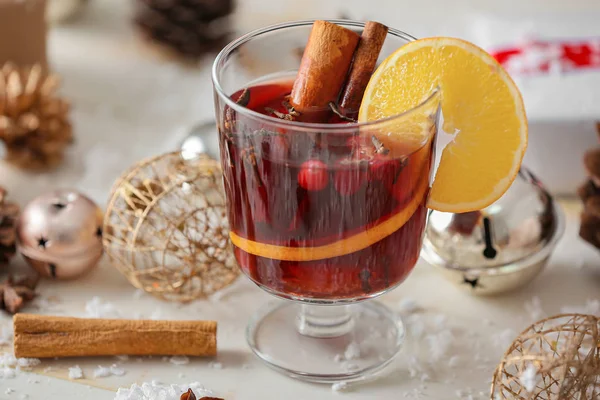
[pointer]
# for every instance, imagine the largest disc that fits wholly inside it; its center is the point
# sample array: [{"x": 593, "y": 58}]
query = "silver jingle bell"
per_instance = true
[
  {"x": 60, "y": 234},
  {"x": 202, "y": 138},
  {"x": 501, "y": 247}
]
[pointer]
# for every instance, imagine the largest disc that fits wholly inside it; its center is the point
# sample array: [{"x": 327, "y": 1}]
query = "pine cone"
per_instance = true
[
  {"x": 189, "y": 27},
  {"x": 34, "y": 124},
  {"x": 8, "y": 220}
]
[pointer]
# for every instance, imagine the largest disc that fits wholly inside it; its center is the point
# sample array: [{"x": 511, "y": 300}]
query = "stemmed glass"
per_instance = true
[{"x": 328, "y": 238}]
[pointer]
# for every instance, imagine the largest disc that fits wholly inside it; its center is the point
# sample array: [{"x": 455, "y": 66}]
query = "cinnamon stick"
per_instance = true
[
  {"x": 41, "y": 336},
  {"x": 324, "y": 66},
  {"x": 365, "y": 59}
]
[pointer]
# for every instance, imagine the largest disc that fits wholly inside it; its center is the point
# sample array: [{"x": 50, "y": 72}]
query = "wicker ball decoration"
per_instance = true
[
  {"x": 554, "y": 359},
  {"x": 165, "y": 227}
]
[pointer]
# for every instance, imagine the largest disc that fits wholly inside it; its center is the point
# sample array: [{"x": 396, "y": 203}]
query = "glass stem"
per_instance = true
[{"x": 324, "y": 321}]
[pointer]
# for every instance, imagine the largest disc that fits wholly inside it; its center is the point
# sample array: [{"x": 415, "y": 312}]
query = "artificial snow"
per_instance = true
[
  {"x": 215, "y": 365},
  {"x": 113, "y": 370},
  {"x": 408, "y": 306},
  {"x": 101, "y": 372},
  {"x": 591, "y": 307},
  {"x": 116, "y": 370},
  {"x": 8, "y": 360},
  {"x": 534, "y": 308},
  {"x": 339, "y": 386},
  {"x": 28, "y": 362},
  {"x": 157, "y": 314},
  {"x": 352, "y": 352},
  {"x": 155, "y": 390},
  {"x": 9, "y": 391},
  {"x": 179, "y": 360},
  {"x": 504, "y": 338},
  {"x": 454, "y": 361},
  {"x": 528, "y": 378},
  {"x": 6, "y": 334},
  {"x": 7, "y": 372},
  {"x": 75, "y": 372},
  {"x": 98, "y": 308},
  {"x": 439, "y": 344},
  {"x": 11, "y": 365}
]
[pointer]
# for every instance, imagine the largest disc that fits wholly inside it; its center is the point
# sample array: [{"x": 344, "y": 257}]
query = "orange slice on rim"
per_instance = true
[{"x": 480, "y": 103}]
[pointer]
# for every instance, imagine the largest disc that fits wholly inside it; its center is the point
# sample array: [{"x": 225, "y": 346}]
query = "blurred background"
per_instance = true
[{"x": 137, "y": 72}]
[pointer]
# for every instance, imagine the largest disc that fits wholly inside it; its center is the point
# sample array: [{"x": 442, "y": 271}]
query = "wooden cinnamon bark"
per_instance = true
[
  {"x": 365, "y": 59},
  {"x": 41, "y": 336},
  {"x": 324, "y": 66}
]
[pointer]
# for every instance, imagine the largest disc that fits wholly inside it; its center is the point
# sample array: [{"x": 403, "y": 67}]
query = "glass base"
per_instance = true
[{"x": 373, "y": 338}]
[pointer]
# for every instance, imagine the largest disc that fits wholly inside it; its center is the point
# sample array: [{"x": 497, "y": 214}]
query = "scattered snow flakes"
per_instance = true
[
  {"x": 408, "y": 306},
  {"x": 101, "y": 372},
  {"x": 528, "y": 378},
  {"x": 8, "y": 373},
  {"x": 9, "y": 391},
  {"x": 591, "y": 307},
  {"x": 416, "y": 393},
  {"x": 75, "y": 372},
  {"x": 352, "y": 351},
  {"x": 122, "y": 358},
  {"x": 116, "y": 370},
  {"x": 350, "y": 367},
  {"x": 156, "y": 390},
  {"x": 439, "y": 344},
  {"x": 113, "y": 370},
  {"x": 10, "y": 365},
  {"x": 6, "y": 333},
  {"x": 504, "y": 338},
  {"x": 98, "y": 308},
  {"x": 157, "y": 314},
  {"x": 215, "y": 365},
  {"x": 339, "y": 386},
  {"x": 8, "y": 360},
  {"x": 179, "y": 360},
  {"x": 28, "y": 362},
  {"x": 534, "y": 308},
  {"x": 454, "y": 361}
]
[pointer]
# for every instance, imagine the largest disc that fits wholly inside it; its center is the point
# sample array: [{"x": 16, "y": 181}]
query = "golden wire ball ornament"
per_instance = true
[
  {"x": 165, "y": 227},
  {"x": 557, "y": 358}
]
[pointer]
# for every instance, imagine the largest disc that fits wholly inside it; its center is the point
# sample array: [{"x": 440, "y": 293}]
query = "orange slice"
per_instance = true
[
  {"x": 342, "y": 247},
  {"x": 480, "y": 103}
]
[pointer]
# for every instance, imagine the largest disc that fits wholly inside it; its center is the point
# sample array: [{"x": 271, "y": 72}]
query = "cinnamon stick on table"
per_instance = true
[
  {"x": 41, "y": 336},
  {"x": 324, "y": 66},
  {"x": 365, "y": 59}
]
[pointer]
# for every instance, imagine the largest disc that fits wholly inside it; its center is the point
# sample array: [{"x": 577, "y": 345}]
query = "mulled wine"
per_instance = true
[{"x": 316, "y": 212}]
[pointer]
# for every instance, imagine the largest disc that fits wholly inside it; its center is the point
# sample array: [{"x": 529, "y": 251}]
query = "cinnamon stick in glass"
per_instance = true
[
  {"x": 42, "y": 336},
  {"x": 365, "y": 59},
  {"x": 324, "y": 66}
]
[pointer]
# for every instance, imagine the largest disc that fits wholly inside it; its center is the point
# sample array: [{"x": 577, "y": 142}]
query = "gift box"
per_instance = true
[
  {"x": 23, "y": 32},
  {"x": 554, "y": 57}
]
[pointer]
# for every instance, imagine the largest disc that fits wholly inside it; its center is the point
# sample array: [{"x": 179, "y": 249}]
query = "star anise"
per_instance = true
[
  {"x": 189, "y": 395},
  {"x": 14, "y": 293}
]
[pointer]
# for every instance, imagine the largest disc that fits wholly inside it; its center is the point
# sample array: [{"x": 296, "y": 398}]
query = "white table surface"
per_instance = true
[{"x": 129, "y": 104}]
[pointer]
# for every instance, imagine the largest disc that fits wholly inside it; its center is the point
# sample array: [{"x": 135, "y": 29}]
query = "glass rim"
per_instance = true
[{"x": 280, "y": 123}]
